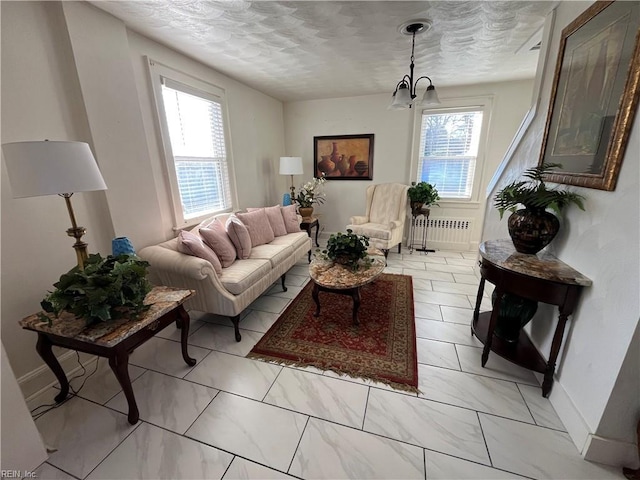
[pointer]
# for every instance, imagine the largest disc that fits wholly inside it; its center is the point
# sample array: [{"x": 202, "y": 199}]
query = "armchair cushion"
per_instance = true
[
  {"x": 372, "y": 230},
  {"x": 359, "y": 220}
]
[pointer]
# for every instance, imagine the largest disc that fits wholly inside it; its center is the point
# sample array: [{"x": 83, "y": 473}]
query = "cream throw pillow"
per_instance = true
[{"x": 290, "y": 218}]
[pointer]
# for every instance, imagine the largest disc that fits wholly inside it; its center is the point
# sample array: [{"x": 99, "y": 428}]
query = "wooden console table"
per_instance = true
[
  {"x": 540, "y": 277},
  {"x": 114, "y": 339}
]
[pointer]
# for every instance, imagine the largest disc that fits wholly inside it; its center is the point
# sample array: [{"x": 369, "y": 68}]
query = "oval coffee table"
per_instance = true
[{"x": 331, "y": 277}]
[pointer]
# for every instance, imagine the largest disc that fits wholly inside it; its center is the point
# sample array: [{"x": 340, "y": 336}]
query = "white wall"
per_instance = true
[
  {"x": 43, "y": 97},
  {"x": 602, "y": 243},
  {"x": 40, "y": 99},
  {"x": 394, "y": 142}
]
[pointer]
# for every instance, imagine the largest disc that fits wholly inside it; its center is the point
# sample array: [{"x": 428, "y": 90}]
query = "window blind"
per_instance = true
[
  {"x": 196, "y": 131},
  {"x": 448, "y": 152}
]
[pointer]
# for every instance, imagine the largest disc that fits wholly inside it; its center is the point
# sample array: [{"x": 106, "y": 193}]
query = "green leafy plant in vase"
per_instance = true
[
  {"x": 422, "y": 195},
  {"x": 348, "y": 249},
  {"x": 108, "y": 288},
  {"x": 532, "y": 228}
]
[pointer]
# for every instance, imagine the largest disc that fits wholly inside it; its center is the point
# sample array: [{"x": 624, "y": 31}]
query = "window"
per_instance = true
[
  {"x": 449, "y": 142},
  {"x": 193, "y": 132}
]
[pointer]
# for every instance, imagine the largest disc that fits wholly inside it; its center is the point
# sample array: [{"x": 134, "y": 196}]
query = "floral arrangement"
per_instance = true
[{"x": 311, "y": 192}]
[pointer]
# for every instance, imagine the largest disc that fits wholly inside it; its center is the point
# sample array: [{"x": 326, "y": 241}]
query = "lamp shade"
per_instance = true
[
  {"x": 51, "y": 168},
  {"x": 291, "y": 166},
  {"x": 430, "y": 96},
  {"x": 402, "y": 98}
]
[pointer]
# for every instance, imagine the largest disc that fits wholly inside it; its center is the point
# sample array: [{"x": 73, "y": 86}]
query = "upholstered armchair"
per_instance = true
[{"x": 384, "y": 218}]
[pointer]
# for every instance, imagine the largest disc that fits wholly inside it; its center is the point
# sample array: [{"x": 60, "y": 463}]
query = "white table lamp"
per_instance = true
[
  {"x": 291, "y": 166},
  {"x": 54, "y": 168}
]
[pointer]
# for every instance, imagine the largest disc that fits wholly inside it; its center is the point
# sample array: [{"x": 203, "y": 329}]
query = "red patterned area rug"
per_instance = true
[{"x": 381, "y": 348}]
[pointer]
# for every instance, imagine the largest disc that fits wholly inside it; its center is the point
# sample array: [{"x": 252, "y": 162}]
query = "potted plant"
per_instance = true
[
  {"x": 422, "y": 195},
  {"x": 107, "y": 288},
  {"x": 310, "y": 193},
  {"x": 532, "y": 228},
  {"x": 348, "y": 249}
]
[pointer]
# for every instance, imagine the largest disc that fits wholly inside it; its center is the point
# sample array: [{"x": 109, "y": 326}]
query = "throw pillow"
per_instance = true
[
  {"x": 191, "y": 244},
  {"x": 275, "y": 219},
  {"x": 239, "y": 236},
  {"x": 215, "y": 236},
  {"x": 258, "y": 225},
  {"x": 290, "y": 218}
]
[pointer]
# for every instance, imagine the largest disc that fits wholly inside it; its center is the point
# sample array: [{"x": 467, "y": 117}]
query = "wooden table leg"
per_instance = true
[
  {"x": 119, "y": 363},
  {"x": 184, "y": 333},
  {"x": 316, "y": 298},
  {"x": 476, "y": 312},
  {"x": 43, "y": 347},
  {"x": 492, "y": 325},
  {"x": 317, "y": 230},
  {"x": 547, "y": 383},
  {"x": 355, "y": 294}
]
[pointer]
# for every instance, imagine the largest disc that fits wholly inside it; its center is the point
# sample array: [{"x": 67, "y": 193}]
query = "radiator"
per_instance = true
[{"x": 444, "y": 230}]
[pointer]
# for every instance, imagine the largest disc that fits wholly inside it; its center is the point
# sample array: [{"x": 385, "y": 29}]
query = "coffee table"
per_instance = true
[
  {"x": 114, "y": 339},
  {"x": 334, "y": 278}
]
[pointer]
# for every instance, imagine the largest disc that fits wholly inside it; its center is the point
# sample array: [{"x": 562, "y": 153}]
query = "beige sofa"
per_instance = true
[{"x": 239, "y": 284}]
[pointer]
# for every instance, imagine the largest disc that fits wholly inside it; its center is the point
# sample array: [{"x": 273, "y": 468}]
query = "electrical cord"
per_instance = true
[{"x": 50, "y": 406}]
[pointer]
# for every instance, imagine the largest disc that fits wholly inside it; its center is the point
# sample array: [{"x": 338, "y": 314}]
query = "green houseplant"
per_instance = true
[
  {"x": 347, "y": 249},
  {"x": 422, "y": 194},
  {"x": 106, "y": 289},
  {"x": 532, "y": 228}
]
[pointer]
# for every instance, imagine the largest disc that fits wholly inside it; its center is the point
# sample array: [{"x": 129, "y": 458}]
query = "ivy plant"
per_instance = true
[
  {"x": 107, "y": 288},
  {"x": 347, "y": 249}
]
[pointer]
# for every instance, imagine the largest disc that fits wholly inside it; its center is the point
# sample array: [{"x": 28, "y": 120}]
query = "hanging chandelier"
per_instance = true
[{"x": 405, "y": 90}]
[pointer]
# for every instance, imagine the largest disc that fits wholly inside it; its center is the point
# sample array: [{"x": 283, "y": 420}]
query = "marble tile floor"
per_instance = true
[{"x": 230, "y": 417}]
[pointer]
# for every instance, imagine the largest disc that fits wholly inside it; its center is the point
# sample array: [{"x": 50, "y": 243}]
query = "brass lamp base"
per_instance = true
[
  {"x": 76, "y": 232},
  {"x": 293, "y": 191}
]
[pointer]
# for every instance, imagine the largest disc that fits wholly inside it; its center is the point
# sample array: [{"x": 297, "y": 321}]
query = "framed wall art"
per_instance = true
[
  {"x": 594, "y": 95},
  {"x": 343, "y": 157}
]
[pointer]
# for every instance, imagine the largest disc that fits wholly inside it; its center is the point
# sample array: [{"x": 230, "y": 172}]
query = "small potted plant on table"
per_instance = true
[
  {"x": 348, "y": 249},
  {"x": 422, "y": 195},
  {"x": 310, "y": 193}
]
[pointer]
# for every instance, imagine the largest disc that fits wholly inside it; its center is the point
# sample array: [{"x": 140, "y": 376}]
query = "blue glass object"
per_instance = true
[
  {"x": 286, "y": 199},
  {"x": 120, "y": 245}
]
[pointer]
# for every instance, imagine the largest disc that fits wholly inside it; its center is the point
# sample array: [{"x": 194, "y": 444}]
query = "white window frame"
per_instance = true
[
  {"x": 457, "y": 105},
  {"x": 200, "y": 88}
]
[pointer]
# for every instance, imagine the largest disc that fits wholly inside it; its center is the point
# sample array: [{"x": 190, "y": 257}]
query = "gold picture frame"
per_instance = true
[
  {"x": 343, "y": 157},
  {"x": 594, "y": 95}
]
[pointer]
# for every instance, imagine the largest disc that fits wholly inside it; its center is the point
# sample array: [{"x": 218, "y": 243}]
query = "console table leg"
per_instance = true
[
  {"x": 184, "y": 320},
  {"x": 119, "y": 363},
  {"x": 317, "y": 231},
  {"x": 492, "y": 326},
  {"x": 43, "y": 347},
  {"x": 553, "y": 355},
  {"x": 476, "y": 312},
  {"x": 316, "y": 298}
]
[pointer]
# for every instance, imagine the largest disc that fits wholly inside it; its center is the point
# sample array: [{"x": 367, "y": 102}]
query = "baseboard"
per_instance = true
[
  {"x": 568, "y": 413},
  {"x": 611, "y": 452},
  {"x": 34, "y": 382}
]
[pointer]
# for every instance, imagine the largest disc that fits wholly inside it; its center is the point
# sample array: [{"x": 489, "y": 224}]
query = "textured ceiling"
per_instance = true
[{"x": 324, "y": 49}]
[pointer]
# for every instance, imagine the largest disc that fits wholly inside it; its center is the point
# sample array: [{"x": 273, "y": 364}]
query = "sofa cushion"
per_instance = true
[
  {"x": 275, "y": 219},
  {"x": 215, "y": 236},
  {"x": 274, "y": 253},
  {"x": 258, "y": 225},
  {"x": 240, "y": 276},
  {"x": 239, "y": 236},
  {"x": 295, "y": 240},
  {"x": 191, "y": 244},
  {"x": 290, "y": 218}
]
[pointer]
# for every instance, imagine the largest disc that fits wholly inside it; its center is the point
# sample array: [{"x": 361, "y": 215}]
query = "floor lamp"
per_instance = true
[
  {"x": 291, "y": 166},
  {"x": 54, "y": 168}
]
